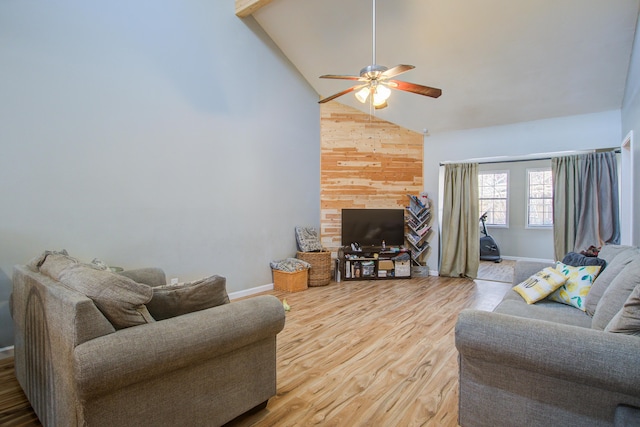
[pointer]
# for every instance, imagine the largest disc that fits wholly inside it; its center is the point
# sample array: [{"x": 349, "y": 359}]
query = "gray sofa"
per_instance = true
[
  {"x": 78, "y": 366},
  {"x": 550, "y": 364}
]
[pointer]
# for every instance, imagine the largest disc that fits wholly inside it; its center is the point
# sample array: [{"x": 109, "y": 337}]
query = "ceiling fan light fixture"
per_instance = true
[
  {"x": 375, "y": 80},
  {"x": 380, "y": 96},
  {"x": 363, "y": 94}
]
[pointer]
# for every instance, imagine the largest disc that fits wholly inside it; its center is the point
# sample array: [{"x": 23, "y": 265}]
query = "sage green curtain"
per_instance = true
[
  {"x": 460, "y": 230},
  {"x": 585, "y": 202},
  {"x": 565, "y": 172}
]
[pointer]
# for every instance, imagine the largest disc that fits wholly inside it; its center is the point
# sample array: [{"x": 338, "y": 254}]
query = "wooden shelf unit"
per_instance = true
[
  {"x": 418, "y": 223},
  {"x": 374, "y": 263}
]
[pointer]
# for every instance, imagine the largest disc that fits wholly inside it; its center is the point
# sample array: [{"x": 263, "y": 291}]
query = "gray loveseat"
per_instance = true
[
  {"x": 78, "y": 367},
  {"x": 550, "y": 364}
]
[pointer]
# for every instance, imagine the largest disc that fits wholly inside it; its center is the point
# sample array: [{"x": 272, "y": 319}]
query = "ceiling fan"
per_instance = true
[{"x": 377, "y": 80}]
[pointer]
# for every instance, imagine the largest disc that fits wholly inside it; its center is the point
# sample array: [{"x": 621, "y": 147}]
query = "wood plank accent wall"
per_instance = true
[
  {"x": 245, "y": 8},
  {"x": 365, "y": 162}
]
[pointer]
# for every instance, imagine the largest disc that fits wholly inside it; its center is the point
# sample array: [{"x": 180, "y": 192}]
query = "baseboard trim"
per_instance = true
[
  {"x": 518, "y": 258},
  {"x": 251, "y": 291},
  {"x": 9, "y": 348}
]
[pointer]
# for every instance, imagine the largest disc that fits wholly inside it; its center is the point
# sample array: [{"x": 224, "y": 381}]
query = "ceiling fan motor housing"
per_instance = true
[{"x": 373, "y": 72}]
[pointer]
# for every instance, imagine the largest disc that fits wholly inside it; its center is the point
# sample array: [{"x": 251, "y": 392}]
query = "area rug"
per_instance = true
[{"x": 496, "y": 271}]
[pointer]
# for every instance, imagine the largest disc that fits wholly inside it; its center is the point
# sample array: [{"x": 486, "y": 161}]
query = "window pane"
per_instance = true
[
  {"x": 493, "y": 195},
  {"x": 540, "y": 197}
]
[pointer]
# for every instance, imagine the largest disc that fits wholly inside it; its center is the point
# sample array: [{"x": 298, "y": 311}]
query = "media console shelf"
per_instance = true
[{"x": 375, "y": 263}]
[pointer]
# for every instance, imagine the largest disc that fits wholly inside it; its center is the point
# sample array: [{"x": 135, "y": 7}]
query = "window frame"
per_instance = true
[
  {"x": 506, "y": 199},
  {"x": 527, "y": 224}
]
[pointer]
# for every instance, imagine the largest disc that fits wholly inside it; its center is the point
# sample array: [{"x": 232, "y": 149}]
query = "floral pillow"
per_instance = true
[{"x": 577, "y": 286}]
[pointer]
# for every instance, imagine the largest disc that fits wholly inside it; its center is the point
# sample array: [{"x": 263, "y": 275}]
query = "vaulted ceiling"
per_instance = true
[{"x": 496, "y": 61}]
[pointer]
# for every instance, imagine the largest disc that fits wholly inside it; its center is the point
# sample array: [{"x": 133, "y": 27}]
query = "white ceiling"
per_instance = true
[{"x": 496, "y": 61}]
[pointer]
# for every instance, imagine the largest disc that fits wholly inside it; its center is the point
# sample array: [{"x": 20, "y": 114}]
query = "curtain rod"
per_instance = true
[{"x": 529, "y": 157}]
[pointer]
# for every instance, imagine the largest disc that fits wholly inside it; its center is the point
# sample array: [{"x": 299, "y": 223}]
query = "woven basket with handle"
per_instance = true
[{"x": 320, "y": 272}]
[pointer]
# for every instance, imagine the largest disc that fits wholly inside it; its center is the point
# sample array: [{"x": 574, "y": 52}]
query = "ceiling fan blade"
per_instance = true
[
  {"x": 335, "y": 76},
  {"x": 414, "y": 88},
  {"x": 344, "y": 92},
  {"x": 398, "y": 69}
]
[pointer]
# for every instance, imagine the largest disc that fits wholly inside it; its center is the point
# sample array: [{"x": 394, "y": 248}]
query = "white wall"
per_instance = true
[
  {"x": 516, "y": 240},
  {"x": 152, "y": 133},
  {"x": 631, "y": 122},
  {"x": 587, "y": 131}
]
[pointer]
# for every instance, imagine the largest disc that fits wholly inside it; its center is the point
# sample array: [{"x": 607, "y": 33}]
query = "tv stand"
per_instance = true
[{"x": 374, "y": 263}]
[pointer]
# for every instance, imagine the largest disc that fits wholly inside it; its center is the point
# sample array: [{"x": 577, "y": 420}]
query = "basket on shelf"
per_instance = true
[{"x": 320, "y": 272}]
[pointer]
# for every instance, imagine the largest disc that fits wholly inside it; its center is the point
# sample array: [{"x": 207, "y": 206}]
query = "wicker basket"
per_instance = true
[
  {"x": 290, "y": 281},
  {"x": 320, "y": 272}
]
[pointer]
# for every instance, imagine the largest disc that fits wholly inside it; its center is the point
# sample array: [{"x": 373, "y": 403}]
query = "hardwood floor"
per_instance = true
[
  {"x": 497, "y": 272},
  {"x": 374, "y": 353}
]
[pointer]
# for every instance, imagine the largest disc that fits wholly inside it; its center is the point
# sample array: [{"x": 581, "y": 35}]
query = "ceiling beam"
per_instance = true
[{"x": 245, "y": 8}]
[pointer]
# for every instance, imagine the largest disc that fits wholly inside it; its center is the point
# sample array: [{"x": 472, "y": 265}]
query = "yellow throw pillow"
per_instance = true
[
  {"x": 577, "y": 286},
  {"x": 540, "y": 285}
]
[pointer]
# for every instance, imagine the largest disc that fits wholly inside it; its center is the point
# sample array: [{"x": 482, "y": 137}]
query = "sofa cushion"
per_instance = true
[
  {"x": 604, "y": 279},
  {"x": 616, "y": 294},
  {"x": 540, "y": 285},
  {"x": 550, "y": 311},
  {"x": 119, "y": 298},
  {"x": 577, "y": 286},
  {"x": 627, "y": 320},
  {"x": 182, "y": 298},
  {"x": 151, "y": 276},
  {"x": 609, "y": 252}
]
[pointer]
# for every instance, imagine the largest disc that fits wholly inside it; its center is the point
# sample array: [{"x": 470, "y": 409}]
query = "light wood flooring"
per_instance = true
[
  {"x": 497, "y": 271},
  {"x": 364, "y": 353}
]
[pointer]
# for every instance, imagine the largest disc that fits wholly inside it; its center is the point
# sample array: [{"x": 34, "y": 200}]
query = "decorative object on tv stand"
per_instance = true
[{"x": 418, "y": 227}]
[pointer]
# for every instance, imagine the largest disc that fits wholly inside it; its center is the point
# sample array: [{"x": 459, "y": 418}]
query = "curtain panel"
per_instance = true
[
  {"x": 585, "y": 202},
  {"x": 460, "y": 230}
]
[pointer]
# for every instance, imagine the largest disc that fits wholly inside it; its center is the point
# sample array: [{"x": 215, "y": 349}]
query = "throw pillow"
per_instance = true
[
  {"x": 307, "y": 239},
  {"x": 606, "y": 276},
  {"x": 35, "y": 263},
  {"x": 616, "y": 294},
  {"x": 577, "y": 286},
  {"x": 54, "y": 263},
  {"x": 577, "y": 260},
  {"x": 182, "y": 298},
  {"x": 540, "y": 285},
  {"x": 119, "y": 298},
  {"x": 627, "y": 320}
]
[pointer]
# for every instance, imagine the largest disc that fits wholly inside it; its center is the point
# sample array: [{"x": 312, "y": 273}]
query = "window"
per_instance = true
[
  {"x": 539, "y": 198},
  {"x": 493, "y": 191}
]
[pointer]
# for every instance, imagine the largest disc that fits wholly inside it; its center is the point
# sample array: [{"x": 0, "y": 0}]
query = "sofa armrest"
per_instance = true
[
  {"x": 525, "y": 269},
  {"x": 605, "y": 360},
  {"x": 135, "y": 354}
]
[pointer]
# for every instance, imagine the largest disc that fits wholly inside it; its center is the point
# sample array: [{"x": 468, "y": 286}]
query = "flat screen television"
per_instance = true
[{"x": 369, "y": 227}]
